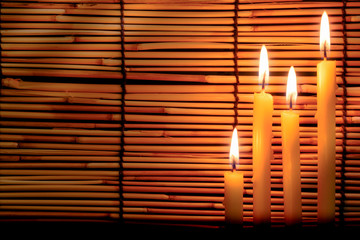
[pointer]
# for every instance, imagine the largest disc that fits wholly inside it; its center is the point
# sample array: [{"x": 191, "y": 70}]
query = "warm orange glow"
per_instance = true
[
  {"x": 263, "y": 66},
  {"x": 234, "y": 149},
  {"x": 291, "y": 87},
  {"x": 325, "y": 35}
]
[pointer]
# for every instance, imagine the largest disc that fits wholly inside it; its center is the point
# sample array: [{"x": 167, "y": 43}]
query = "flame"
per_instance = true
[
  {"x": 291, "y": 87},
  {"x": 263, "y": 66},
  {"x": 234, "y": 149},
  {"x": 325, "y": 34}
]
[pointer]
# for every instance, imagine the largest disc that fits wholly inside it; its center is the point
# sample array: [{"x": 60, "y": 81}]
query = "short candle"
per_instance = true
[
  {"x": 291, "y": 156},
  {"x": 262, "y": 150},
  {"x": 234, "y": 186}
]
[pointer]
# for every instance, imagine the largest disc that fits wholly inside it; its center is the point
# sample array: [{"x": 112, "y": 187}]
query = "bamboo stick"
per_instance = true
[
  {"x": 34, "y": 182},
  {"x": 65, "y": 187},
  {"x": 74, "y": 132},
  {"x": 61, "y": 208},
  {"x": 185, "y": 14},
  {"x": 160, "y": 166},
  {"x": 138, "y": 140},
  {"x": 42, "y": 28},
  {"x": 96, "y": 30},
  {"x": 51, "y": 107},
  {"x": 147, "y": 137},
  {"x": 110, "y": 65},
  {"x": 59, "y": 202},
  {"x": 68, "y": 96},
  {"x": 72, "y": 88},
  {"x": 92, "y": 173},
  {"x": 4, "y": 137},
  {"x": 40, "y": 178},
  {"x": 58, "y": 194},
  {"x": 226, "y": 69},
  {"x": 193, "y": 2},
  {"x": 176, "y": 6},
  {"x": 107, "y": 51},
  {"x": 181, "y": 102},
  {"x": 144, "y": 210},
  {"x": 58, "y": 152},
  {"x": 54, "y": 115},
  {"x": 148, "y": 38},
  {"x": 47, "y": 214},
  {"x": 58, "y": 53},
  {"x": 175, "y": 21},
  {"x": 164, "y": 110},
  {"x": 61, "y": 73},
  {"x": 78, "y": 129},
  {"x": 60, "y": 87}
]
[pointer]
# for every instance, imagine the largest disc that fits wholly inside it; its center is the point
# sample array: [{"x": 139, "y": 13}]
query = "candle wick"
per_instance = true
[
  {"x": 325, "y": 54},
  {"x": 233, "y": 166},
  {"x": 263, "y": 83},
  {"x": 291, "y": 104}
]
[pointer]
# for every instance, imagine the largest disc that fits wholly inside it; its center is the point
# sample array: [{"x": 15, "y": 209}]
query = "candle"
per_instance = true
[
  {"x": 291, "y": 156},
  {"x": 262, "y": 151},
  {"x": 326, "y": 101},
  {"x": 234, "y": 186}
]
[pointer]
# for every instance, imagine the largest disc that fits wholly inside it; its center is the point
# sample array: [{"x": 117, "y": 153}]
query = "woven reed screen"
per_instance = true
[{"x": 123, "y": 111}]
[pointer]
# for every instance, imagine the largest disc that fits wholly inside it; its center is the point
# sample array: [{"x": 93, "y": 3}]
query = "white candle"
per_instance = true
[
  {"x": 234, "y": 186},
  {"x": 291, "y": 156},
  {"x": 262, "y": 151},
  {"x": 326, "y": 102}
]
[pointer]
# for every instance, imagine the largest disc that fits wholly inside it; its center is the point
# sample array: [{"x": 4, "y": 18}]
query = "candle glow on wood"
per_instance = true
[
  {"x": 326, "y": 123},
  {"x": 291, "y": 155},
  {"x": 234, "y": 186},
  {"x": 262, "y": 147}
]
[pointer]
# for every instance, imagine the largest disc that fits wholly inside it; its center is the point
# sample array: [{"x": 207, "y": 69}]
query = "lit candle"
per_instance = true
[
  {"x": 326, "y": 101},
  {"x": 234, "y": 186},
  {"x": 262, "y": 151},
  {"x": 291, "y": 156}
]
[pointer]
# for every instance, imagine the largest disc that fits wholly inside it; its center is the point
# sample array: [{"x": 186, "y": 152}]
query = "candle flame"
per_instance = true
[
  {"x": 291, "y": 87},
  {"x": 263, "y": 66},
  {"x": 325, "y": 34},
  {"x": 234, "y": 149}
]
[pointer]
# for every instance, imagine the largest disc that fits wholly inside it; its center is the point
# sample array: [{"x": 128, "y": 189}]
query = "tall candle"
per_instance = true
[
  {"x": 326, "y": 102},
  {"x": 291, "y": 156},
  {"x": 262, "y": 151},
  {"x": 234, "y": 186}
]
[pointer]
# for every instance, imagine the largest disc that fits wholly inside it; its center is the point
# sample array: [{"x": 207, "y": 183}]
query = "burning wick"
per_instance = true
[
  {"x": 233, "y": 164},
  {"x": 325, "y": 54},
  {"x": 291, "y": 103},
  {"x": 263, "y": 83}
]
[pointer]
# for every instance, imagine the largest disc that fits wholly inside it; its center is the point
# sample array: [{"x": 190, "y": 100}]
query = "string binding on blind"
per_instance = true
[
  {"x": 123, "y": 93},
  {"x": 1, "y": 73},
  {"x": 344, "y": 115},
  {"x": 236, "y": 68}
]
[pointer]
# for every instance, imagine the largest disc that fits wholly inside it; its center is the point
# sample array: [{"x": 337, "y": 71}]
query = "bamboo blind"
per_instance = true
[{"x": 123, "y": 110}]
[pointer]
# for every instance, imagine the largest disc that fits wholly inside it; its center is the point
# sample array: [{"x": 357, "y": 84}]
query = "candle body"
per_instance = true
[
  {"x": 233, "y": 197},
  {"x": 262, "y": 155},
  {"x": 326, "y": 102},
  {"x": 291, "y": 167}
]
